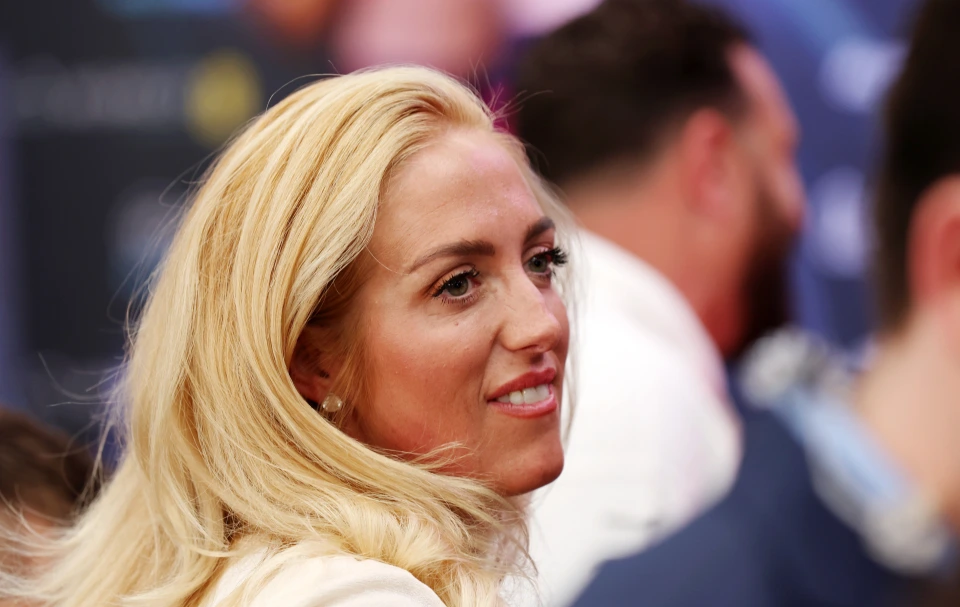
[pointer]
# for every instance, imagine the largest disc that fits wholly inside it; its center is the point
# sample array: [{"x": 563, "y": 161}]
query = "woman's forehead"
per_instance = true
[
  {"x": 456, "y": 162},
  {"x": 465, "y": 185}
]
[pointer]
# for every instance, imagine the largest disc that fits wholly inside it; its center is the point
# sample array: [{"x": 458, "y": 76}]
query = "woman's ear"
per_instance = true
[
  {"x": 312, "y": 369},
  {"x": 934, "y": 255}
]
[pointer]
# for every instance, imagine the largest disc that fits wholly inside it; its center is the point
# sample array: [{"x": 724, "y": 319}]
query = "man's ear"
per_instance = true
[
  {"x": 312, "y": 369},
  {"x": 710, "y": 172},
  {"x": 933, "y": 253}
]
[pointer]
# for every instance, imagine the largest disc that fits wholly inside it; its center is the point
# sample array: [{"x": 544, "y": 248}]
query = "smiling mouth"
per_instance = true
[
  {"x": 527, "y": 396},
  {"x": 529, "y": 403}
]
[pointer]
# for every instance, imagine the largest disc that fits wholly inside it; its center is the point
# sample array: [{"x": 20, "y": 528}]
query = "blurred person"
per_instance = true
[
  {"x": 301, "y": 24},
  {"x": 349, "y": 367},
  {"x": 466, "y": 38},
  {"x": 849, "y": 492},
  {"x": 673, "y": 144},
  {"x": 530, "y": 18},
  {"x": 44, "y": 480},
  {"x": 460, "y": 38}
]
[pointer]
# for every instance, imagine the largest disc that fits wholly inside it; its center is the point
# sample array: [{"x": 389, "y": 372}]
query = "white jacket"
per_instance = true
[
  {"x": 654, "y": 439},
  {"x": 325, "y": 581}
]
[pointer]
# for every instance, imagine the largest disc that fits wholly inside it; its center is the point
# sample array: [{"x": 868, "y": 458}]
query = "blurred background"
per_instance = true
[{"x": 109, "y": 110}]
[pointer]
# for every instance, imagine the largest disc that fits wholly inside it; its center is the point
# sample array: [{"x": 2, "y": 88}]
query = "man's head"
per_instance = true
[
  {"x": 671, "y": 137},
  {"x": 918, "y": 203},
  {"x": 910, "y": 395}
]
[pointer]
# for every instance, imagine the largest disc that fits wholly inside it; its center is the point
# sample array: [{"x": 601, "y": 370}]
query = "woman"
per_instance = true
[{"x": 350, "y": 360}]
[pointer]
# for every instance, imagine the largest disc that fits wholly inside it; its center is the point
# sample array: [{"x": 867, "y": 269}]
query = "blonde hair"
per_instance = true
[{"x": 219, "y": 446}]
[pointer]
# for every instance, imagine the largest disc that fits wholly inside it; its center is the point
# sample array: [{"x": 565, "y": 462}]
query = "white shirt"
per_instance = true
[
  {"x": 654, "y": 439},
  {"x": 326, "y": 581}
]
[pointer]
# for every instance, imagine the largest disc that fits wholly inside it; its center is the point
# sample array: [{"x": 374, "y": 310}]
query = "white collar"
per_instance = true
[{"x": 650, "y": 299}]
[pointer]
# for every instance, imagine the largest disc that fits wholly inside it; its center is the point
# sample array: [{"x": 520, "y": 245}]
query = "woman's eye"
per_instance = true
[
  {"x": 458, "y": 286},
  {"x": 539, "y": 264},
  {"x": 542, "y": 263}
]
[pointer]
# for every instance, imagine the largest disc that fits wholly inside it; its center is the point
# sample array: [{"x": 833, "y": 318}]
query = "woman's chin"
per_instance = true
[{"x": 548, "y": 470}]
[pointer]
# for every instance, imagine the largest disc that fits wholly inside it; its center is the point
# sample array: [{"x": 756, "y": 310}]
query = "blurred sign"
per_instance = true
[
  {"x": 109, "y": 130},
  {"x": 10, "y": 292},
  {"x": 147, "y": 8},
  {"x": 208, "y": 98}
]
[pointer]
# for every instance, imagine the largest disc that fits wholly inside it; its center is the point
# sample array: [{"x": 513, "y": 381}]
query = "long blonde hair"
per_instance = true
[{"x": 219, "y": 446}]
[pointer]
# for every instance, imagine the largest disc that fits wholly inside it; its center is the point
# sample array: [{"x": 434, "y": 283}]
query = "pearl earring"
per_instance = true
[{"x": 331, "y": 404}]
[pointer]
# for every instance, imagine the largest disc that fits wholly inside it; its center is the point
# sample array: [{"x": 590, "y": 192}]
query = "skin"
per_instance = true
[
  {"x": 771, "y": 133},
  {"x": 766, "y": 142},
  {"x": 444, "y": 331},
  {"x": 909, "y": 396},
  {"x": 715, "y": 211}
]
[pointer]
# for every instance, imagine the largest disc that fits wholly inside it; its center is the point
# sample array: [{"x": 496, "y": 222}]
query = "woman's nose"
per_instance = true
[{"x": 529, "y": 323}]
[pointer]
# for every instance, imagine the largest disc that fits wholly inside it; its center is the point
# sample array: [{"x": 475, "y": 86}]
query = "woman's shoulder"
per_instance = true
[{"x": 332, "y": 580}]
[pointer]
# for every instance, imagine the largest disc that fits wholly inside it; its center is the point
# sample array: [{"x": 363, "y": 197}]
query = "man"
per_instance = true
[
  {"x": 849, "y": 491},
  {"x": 674, "y": 147}
]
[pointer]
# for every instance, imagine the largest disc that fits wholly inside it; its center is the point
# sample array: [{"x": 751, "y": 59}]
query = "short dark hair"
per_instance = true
[
  {"x": 608, "y": 85},
  {"x": 40, "y": 471},
  {"x": 922, "y": 131}
]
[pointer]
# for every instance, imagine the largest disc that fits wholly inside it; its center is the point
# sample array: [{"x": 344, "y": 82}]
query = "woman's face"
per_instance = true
[{"x": 465, "y": 334}]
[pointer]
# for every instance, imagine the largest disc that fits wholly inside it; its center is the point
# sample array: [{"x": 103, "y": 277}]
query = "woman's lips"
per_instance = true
[{"x": 535, "y": 401}]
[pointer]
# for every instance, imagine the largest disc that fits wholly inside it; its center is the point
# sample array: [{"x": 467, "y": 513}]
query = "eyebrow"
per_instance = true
[
  {"x": 468, "y": 248},
  {"x": 542, "y": 225}
]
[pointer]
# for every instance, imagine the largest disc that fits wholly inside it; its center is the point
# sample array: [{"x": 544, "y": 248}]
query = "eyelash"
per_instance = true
[{"x": 555, "y": 257}]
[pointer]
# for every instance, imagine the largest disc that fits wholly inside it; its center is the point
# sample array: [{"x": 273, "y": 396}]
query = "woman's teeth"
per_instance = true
[{"x": 527, "y": 396}]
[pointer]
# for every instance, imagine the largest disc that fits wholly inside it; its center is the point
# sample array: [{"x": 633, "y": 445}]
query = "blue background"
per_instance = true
[{"x": 82, "y": 191}]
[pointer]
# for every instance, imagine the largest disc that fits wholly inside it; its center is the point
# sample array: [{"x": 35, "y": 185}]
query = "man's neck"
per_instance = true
[{"x": 648, "y": 221}]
